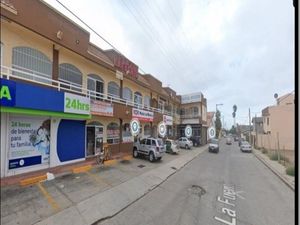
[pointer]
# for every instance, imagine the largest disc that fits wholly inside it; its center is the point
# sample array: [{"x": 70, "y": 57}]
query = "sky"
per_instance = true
[{"x": 233, "y": 51}]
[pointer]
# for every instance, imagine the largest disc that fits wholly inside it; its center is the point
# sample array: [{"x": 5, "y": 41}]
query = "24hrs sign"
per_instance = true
[{"x": 76, "y": 104}]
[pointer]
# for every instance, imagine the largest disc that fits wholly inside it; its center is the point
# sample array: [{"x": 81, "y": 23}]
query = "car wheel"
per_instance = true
[
  {"x": 186, "y": 147},
  {"x": 135, "y": 153},
  {"x": 151, "y": 157}
]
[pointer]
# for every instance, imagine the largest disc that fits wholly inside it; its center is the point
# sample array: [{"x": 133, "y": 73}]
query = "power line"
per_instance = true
[{"x": 106, "y": 41}]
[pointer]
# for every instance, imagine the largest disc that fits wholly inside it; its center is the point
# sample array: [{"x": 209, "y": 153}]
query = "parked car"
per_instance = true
[
  {"x": 228, "y": 141},
  {"x": 241, "y": 140},
  {"x": 171, "y": 146},
  {"x": 184, "y": 142},
  {"x": 196, "y": 140},
  {"x": 236, "y": 138},
  {"x": 151, "y": 147},
  {"x": 213, "y": 145},
  {"x": 245, "y": 146}
]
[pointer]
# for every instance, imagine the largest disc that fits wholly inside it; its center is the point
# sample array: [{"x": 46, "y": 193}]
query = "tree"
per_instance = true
[
  {"x": 233, "y": 130},
  {"x": 218, "y": 123}
]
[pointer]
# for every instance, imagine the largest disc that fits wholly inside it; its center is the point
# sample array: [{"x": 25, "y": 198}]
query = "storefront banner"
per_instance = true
[
  {"x": 168, "y": 120},
  {"x": 142, "y": 115},
  {"x": 101, "y": 108},
  {"x": 7, "y": 93},
  {"x": 76, "y": 104},
  {"x": 29, "y": 141}
]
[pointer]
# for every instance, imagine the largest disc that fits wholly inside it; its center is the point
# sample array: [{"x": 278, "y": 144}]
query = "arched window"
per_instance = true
[
  {"x": 70, "y": 75},
  {"x": 96, "y": 85},
  {"x": 113, "y": 133},
  {"x": 147, "y": 130},
  {"x": 138, "y": 98},
  {"x": 147, "y": 101},
  {"x": 113, "y": 89},
  {"x": 127, "y": 94},
  {"x": 31, "y": 61}
]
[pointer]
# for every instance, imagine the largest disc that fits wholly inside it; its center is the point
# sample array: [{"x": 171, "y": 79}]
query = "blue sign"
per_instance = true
[
  {"x": 7, "y": 93},
  {"x": 23, "y": 162}
]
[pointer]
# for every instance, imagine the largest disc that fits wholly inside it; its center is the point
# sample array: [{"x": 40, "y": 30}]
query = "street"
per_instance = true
[{"x": 230, "y": 187}]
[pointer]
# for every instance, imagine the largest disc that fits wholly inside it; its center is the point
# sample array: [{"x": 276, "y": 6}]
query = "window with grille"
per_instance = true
[
  {"x": 70, "y": 76},
  {"x": 113, "y": 90},
  {"x": 113, "y": 133},
  {"x": 138, "y": 99},
  {"x": 127, "y": 94},
  {"x": 96, "y": 86},
  {"x": 147, "y": 101},
  {"x": 31, "y": 64}
]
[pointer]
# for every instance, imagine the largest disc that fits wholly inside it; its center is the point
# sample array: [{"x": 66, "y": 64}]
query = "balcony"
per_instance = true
[{"x": 66, "y": 86}]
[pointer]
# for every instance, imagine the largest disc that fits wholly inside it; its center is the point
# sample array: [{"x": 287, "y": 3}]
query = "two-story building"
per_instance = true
[{"x": 63, "y": 97}]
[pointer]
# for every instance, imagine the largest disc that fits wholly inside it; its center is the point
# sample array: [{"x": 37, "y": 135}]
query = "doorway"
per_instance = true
[{"x": 94, "y": 139}]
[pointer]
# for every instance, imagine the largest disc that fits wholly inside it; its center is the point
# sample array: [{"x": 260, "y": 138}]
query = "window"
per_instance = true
[
  {"x": 143, "y": 141},
  {"x": 127, "y": 94},
  {"x": 148, "y": 142},
  {"x": 161, "y": 104},
  {"x": 138, "y": 99},
  {"x": 96, "y": 85},
  {"x": 113, "y": 133},
  {"x": 153, "y": 142},
  {"x": 113, "y": 89},
  {"x": 31, "y": 61},
  {"x": 147, "y": 101},
  {"x": 268, "y": 121},
  {"x": 147, "y": 130},
  {"x": 126, "y": 134},
  {"x": 195, "y": 111},
  {"x": 71, "y": 76}
]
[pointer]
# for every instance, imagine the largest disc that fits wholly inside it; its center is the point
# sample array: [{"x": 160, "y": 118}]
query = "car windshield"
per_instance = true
[
  {"x": 245, "y": 143},
  {"x": 214, "y": 141}
]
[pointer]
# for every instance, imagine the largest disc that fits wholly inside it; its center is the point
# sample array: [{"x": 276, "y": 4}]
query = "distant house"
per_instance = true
[{"x": 278, "y": 126}]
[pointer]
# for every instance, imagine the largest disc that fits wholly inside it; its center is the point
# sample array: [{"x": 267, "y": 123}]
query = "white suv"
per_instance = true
[
  {"x": 152, "y": 147},
  {"x": 184, "y": 142}
]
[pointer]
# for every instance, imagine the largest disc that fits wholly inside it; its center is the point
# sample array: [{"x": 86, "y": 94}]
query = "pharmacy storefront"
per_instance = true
[{"x": 40, "y": 127}]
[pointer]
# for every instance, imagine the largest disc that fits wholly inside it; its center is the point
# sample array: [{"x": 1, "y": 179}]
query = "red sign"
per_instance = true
[
  {"x": 126, "y": 66},
  {"x": 101, "y": 108}
]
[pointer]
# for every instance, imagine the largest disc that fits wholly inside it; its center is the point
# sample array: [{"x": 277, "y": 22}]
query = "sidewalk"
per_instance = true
[
  {"x": 88, "y": 197},
  {"x": 276, "y": 168}
]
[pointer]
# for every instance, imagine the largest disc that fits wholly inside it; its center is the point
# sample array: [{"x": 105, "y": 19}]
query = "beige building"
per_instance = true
[{"x": 279, "y": 126}]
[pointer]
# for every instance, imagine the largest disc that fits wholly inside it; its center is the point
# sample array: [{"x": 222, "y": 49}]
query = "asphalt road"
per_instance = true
[{"x": 230, "y": 187}]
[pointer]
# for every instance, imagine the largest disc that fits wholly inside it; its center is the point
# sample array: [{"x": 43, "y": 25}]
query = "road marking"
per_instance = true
[
  {"x": 50, "y": 200},
  {"x": 98, "y": 179},
  {"x": 237, "y": 193}
]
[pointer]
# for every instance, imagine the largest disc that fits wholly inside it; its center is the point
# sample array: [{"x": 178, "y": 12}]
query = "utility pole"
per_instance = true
[
  {"x": 255, "y": 122},
  {"x": 249, "y": 127}
]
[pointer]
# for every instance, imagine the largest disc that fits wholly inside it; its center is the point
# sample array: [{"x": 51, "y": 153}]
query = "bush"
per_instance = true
[
  {"x": 283, "y": 158},
  {"x": 273, "y": 156},
  {"x": 290, "y": 171}
]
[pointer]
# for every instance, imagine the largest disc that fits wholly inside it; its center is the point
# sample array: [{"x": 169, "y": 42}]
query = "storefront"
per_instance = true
[
  {"x": 40, "y": 127},
  {"x": 146, "y": 119},
  {"x": 168, "y": 120}
]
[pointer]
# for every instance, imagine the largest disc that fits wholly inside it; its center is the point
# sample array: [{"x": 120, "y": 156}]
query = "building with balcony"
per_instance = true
[
  {"x": 193, "y": 111},
  {"x": 63, "y": 98}
]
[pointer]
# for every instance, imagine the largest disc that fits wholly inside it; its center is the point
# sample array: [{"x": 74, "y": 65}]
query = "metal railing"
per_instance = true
[
  {"x": 62, "y": 85},
  {"x": 190, "y": 116}
]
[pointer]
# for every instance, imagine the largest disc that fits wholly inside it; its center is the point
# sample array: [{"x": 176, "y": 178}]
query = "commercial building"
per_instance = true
[{"x": 62, "y": 97}]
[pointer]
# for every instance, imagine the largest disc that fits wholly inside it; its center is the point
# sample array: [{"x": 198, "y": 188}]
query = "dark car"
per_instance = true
[{"x": 196, "y": 140}]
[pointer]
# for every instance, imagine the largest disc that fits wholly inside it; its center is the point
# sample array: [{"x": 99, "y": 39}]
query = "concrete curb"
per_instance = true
[
  {"x": 274, "y": 171},
  {"x": 109, "y": 203}
]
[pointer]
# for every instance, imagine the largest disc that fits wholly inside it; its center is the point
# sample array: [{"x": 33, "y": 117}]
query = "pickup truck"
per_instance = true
[{"x": 151, "y": 147}]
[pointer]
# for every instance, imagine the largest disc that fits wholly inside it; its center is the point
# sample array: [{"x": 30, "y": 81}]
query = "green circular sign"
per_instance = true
[
  {"x": 188, "y": 131},
  {"x": 134, "y": 127}
]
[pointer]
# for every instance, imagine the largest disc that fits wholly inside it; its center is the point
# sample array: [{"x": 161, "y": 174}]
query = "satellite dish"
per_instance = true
[{"x": 275, "y": 95}]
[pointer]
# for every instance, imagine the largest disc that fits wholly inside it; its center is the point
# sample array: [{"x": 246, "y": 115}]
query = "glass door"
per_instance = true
[{"x": 94, "y": 139}]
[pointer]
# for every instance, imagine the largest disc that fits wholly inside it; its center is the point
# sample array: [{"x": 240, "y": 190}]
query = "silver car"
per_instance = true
[
  {"x": 152, "y": 147},
  {"x": 245, "y": 146},
  {"x": 184, "y": 142}
]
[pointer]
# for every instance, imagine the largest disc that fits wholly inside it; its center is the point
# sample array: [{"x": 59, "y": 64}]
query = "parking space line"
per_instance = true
[
  {"x": 97, "y": 178},
  {"x": 49, "y": 198}
]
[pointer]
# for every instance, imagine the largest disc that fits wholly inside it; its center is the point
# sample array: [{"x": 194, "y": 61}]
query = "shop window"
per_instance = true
[
  {"x": 147, "y": 101},
  {"x": 127, "y": 94},
  {"x": 147, "y": 130},
  {"x": 113, "y": 133},
  {"x": 70, "y": 76},
  {"x": 113, "y": 90},
  {"x": 31, "y": 62},
  {"x": 138, "y": 99},
  {"x": 96, "y": 85},
  {"x": 126, "y": 134}
]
